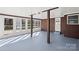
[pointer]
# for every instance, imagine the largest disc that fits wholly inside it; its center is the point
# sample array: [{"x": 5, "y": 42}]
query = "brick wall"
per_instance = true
[
  {"x": 44, "y": 25},
  {"x": 69, "y": 30}
]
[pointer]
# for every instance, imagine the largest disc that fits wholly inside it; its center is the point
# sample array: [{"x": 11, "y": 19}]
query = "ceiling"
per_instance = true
[{"x": 27, "y": 11}]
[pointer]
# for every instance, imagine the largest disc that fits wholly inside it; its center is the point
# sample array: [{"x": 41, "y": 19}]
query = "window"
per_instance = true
[
  {"x": 36, "y": 24},
  {"x": 8, "y": 23},
  {"x": 18, "y": 24},
  {"x": 73, "y": 19},
  {"x": 29, "y": 24},
  {"x": 23, "y": 23}
]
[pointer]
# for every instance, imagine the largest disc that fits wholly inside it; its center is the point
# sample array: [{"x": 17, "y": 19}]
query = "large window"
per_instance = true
[
  {"x": 29, "y": 24},
  {"x": 23, "y": 23},
  {"x": 8, "y": 24},
  {"x": 18, "y": 26},
  {"x": 73, "y": 19},
  {"x": 36, "y": 24}
]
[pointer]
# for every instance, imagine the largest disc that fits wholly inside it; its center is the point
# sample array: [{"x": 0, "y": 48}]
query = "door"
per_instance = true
[{"x": 57, "y": 24}]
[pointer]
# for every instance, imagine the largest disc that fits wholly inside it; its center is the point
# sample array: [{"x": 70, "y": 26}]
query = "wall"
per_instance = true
[
  {"x": 14, "y": 32},
  {"x": 44, "y": 25},
  {"x": 69, "y": 30},
  {"x": 9, "y": 32}
]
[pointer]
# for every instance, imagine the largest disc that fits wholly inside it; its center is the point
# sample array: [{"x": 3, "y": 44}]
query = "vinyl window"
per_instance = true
[
  {"x": 73, "y": 19},
  {"x": 8, "y": 24}
]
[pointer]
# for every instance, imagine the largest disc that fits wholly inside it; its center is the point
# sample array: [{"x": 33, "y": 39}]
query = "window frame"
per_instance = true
[
  {"x": 35, "y": 24},
  {"x": 18, "y": 25},
  {"x": 73, "y": 23},
  {"x": 28, "y": 24},
  {"x": 23, "y": 24},
  {"x": 8, "y": 24}
]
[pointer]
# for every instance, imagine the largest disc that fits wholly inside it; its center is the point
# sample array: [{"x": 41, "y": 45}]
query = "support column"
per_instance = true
[
  {"x": 48, "y": 27},
  {"x": 31, "y": 25}
]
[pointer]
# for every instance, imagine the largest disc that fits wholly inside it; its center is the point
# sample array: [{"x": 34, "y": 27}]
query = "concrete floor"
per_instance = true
[{"x": 39, "y": 43}]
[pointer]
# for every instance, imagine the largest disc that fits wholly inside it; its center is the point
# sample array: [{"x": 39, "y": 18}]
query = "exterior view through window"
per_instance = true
[
  {"x": 36, "y": 24},
  {"x": 23, "y": 23},
  {"x": 73, "y": 19},
  {"x": 8, "y": 23},
  {"x": 18, "y": 25},
  {"x": 29, "y": 24}
]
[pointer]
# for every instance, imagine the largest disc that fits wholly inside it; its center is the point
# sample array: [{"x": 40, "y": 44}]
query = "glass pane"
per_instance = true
[
  {"x": 17, "y": 24},
  {"x": 73, "y": 19},
  {"x": 23, "y": 23},
  {"x": 8, "y": 23},
  {"x": 29, "y": 24}
]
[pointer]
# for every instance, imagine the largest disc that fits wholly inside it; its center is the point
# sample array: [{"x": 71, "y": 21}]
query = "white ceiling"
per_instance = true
[{"x": 27, "y": 11}]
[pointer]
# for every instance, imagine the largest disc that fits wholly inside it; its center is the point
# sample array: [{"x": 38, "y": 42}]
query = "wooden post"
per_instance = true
[
  {"x": 31, "y": 25},
  {"x": 48, "y": 27}
]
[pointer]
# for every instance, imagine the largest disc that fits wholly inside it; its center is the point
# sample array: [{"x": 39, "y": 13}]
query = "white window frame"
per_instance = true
[
  {"x": 10, "y": 24},
  {"x": 23, "y": 24},
  {"x": 28, "y": 27},
  {"x": 34, "y": 24},
  {"x": 18, "y": 25},
  {"x": 73, "y": 23}
]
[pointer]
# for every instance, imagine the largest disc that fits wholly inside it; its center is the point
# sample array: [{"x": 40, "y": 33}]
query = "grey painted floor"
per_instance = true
[{"x": 39, "y": 43}]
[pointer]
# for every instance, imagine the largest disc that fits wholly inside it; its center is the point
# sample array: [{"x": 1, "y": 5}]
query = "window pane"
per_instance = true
[
  {"x": 29, "y": 24},
  {"x": 36, "y": 24},
  {"x": 73, "y": 19},
  {"x": 23, "y": 23},
  {"x": 8, "y": 23},
  {"x": 17, "y": 24}
]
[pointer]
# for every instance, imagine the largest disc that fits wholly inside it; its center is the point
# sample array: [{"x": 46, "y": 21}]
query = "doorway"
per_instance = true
[{"x": 57, "y": 24}]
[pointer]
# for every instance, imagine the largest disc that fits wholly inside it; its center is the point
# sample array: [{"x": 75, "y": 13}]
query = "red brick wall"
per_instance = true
[
  {"x": 69, "y": 30},
  {"x": 62, "y": 24},
  {"x": 44, "y": 25}
]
